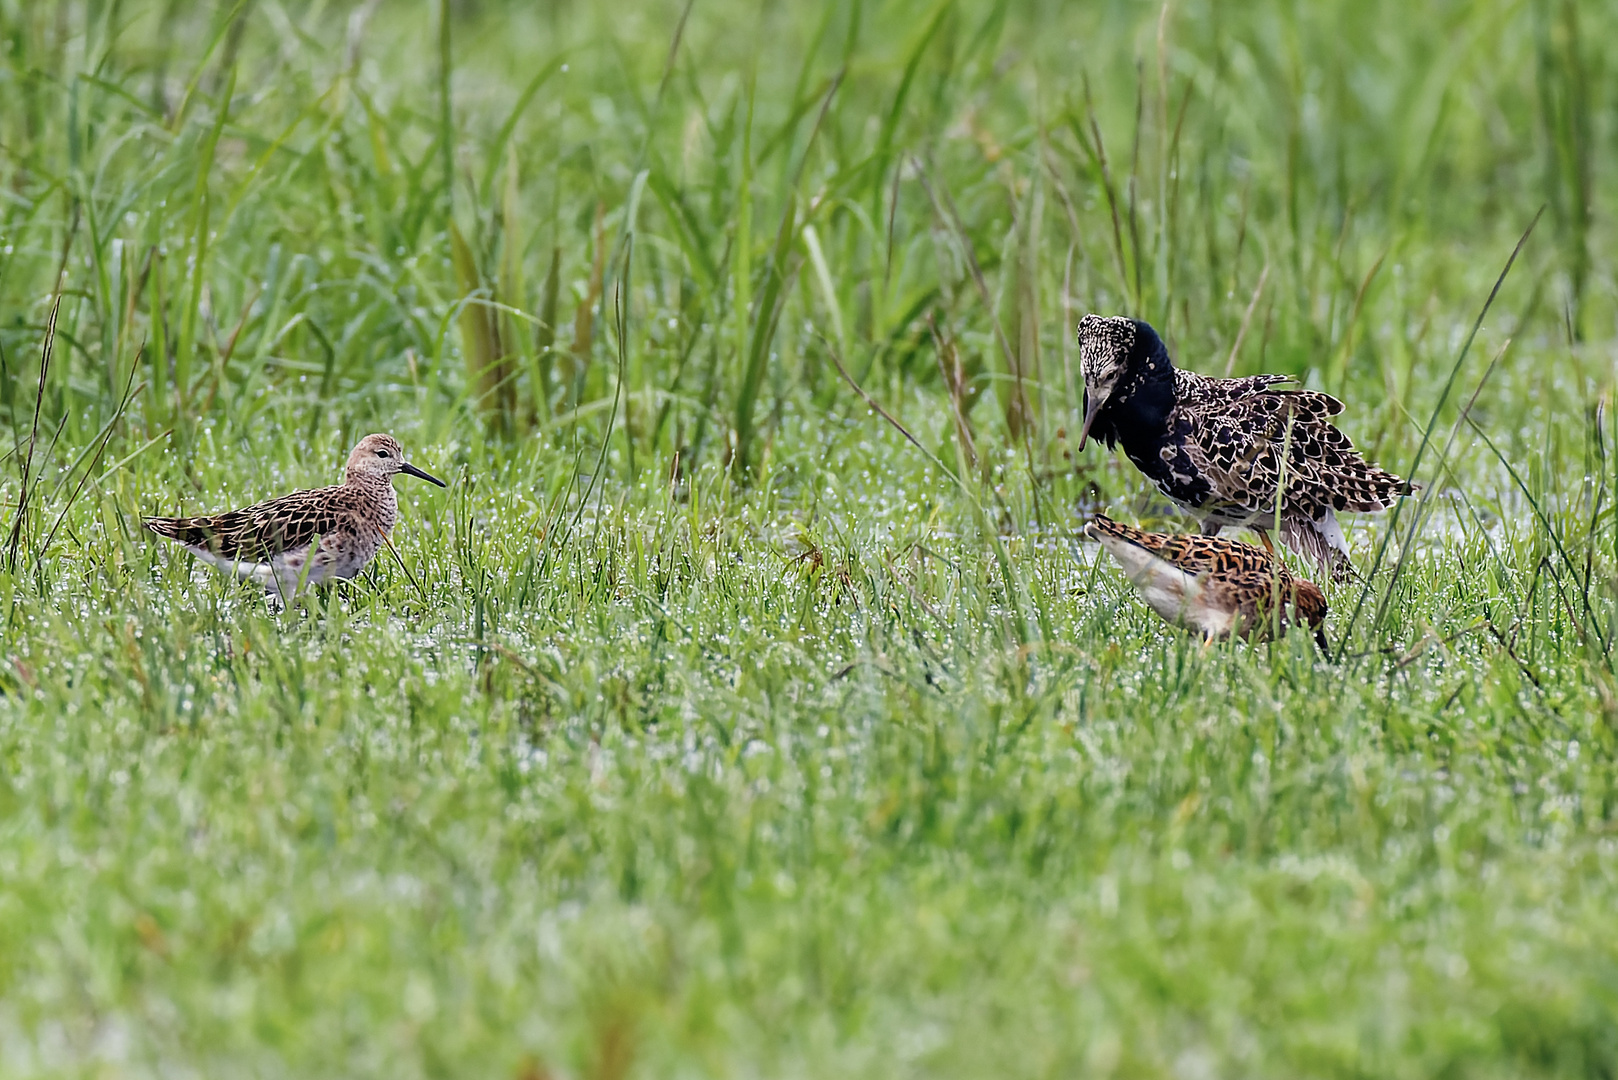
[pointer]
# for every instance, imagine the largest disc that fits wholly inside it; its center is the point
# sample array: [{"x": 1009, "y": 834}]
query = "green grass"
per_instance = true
[{"x": 716, "y": 728}]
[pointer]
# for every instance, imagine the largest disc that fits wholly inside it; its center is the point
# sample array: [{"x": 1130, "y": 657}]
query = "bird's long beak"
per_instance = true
[
  {"x": 406, "y": 467},
  {"x": 1096, "y": 401}
]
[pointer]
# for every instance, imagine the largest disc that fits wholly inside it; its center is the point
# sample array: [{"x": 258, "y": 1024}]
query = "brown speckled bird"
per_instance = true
[
  {"x": 1214, "y": 446},
  {"x": 274, "y": 542},
  {"x": 1212, "y": 586}
]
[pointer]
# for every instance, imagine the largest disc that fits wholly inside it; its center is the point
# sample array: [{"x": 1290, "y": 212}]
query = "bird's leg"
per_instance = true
[
  {"x": 1264, "y": 536},
  {"x": 275, "y": 595}
]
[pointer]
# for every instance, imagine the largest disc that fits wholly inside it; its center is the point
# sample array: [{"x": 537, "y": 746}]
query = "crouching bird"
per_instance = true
[
  {"x": 1213, "y": 586},
  {"x": 1223, "y": 448},
  {"x": 307, "y": 537}
]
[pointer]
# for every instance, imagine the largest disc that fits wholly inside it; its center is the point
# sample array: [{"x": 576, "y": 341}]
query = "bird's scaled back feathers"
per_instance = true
[
  {"x": 1212, "y": 586},
  {"x": 272, "y": 527},
  {"x": 1241, "y": 435}
]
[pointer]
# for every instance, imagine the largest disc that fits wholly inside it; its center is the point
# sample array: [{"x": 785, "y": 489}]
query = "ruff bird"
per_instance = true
[
  {"x": 1213, "y": 586},
  {"x": 307, "y": 537}
]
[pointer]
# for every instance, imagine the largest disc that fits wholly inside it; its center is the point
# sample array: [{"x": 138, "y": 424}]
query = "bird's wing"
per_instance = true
[
  {"x": 1214, "y": 554},
  {"x": 1238, "y": 442},
  {"x": 1257, "y": 600},
  {"x": 1190, "y": 384},
  {"x": 1189, "y": 552},
  {"x": 258, "y": 532}
]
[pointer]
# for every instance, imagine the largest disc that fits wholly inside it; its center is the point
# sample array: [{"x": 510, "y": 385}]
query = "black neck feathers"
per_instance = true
[{"x": 1137, "y": 412}]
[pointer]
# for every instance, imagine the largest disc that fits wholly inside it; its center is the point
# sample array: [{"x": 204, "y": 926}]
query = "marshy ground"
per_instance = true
[{"x": 708, "y": 725}]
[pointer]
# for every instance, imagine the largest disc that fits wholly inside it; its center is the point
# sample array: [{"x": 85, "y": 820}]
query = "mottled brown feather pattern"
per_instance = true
[
  {"x": 1237, "y": 578},
  {"x": 255, "y": 533}
]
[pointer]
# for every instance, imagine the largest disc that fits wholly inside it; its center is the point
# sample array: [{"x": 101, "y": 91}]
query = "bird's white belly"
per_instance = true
[
  {"x": 287, "y": 572},
  {"x": 1176, "y": 595}
]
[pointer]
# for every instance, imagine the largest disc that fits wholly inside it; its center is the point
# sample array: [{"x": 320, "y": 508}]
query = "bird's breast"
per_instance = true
[
  {"x": 1167, "y": 463},
  {"x": 381, "y": 506}
]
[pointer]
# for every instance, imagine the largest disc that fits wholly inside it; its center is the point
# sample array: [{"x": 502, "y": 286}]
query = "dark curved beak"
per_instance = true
[
  {"x": 406, "y": 467},
  {"x": 1090, "y": 417}
]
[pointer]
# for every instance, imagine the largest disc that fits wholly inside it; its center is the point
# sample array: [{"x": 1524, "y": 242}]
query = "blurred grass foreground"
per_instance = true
[{"x": 712, "y": 723}]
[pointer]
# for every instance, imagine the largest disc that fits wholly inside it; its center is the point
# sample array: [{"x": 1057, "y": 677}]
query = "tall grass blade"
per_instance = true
[
  {"x": 201, "y": 202},
  {"x": 446, "y": 111},
  {"x": 1421, "y": 450},
  {"x": 480, "y": 340},
  {"x": 777, "y": 275},
  {"x": 46, "y": 350}
]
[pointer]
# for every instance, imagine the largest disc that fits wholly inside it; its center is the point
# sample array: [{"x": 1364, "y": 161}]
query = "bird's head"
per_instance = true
[
  {"x": 381, "y": 455},
  {"x": 1112, "y": 349}
]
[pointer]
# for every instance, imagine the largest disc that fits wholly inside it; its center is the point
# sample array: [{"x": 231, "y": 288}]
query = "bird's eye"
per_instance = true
[{"x": 383, "y": 453}]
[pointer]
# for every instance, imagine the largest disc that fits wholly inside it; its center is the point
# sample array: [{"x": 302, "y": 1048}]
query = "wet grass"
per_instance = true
[{"x": 712, "y": 722}]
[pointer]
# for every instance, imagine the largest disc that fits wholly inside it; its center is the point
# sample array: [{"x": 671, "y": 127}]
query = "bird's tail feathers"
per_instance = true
[
  {"x": 189, "y": 531},
  {"x": 1321, "y": 540},
  {"x": 1101, "y": 526}
]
